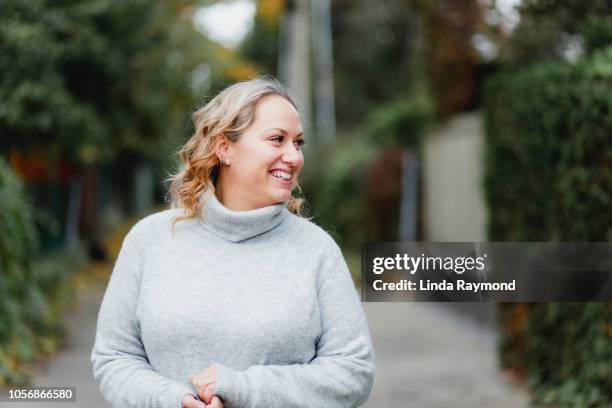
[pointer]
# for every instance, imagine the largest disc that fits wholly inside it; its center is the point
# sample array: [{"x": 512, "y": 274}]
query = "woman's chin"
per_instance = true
[
  {"x": 282, "y": 195},
  {"x": 280, "y": 192}
]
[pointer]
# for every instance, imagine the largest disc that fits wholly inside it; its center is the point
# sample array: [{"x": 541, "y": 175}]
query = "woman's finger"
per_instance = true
[
  {"x": 216, "y": 402},
  {"x": 190, "y": 402},
  {"x": 208, "y": 393}
]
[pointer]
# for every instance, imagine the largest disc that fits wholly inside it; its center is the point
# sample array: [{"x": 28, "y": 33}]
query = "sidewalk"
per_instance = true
[
  {"x": 71, "y": 366},
  {"x": 426, "y": 357}
]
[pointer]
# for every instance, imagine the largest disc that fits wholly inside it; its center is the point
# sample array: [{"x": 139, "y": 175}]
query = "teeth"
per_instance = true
[{"x": 281, "y": 174}]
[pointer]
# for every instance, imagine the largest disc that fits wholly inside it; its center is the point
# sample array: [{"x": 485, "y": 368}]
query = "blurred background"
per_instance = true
[{"x": 431, "y": 120}]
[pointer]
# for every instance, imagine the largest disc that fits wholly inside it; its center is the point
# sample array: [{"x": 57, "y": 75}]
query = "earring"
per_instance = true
[{"x": 226, "y": 162}]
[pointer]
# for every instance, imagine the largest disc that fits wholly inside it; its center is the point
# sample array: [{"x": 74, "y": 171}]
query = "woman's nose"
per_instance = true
[{"x": 292, "y": 154}]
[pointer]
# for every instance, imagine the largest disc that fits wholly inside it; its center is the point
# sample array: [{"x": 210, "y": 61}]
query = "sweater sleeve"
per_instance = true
[
  {"x": 120, "y": 363},
  {"x": 340, "y": 375}
]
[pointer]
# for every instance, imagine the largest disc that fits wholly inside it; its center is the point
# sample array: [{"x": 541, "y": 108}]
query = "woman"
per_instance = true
[{"x": 232, "y": 299}]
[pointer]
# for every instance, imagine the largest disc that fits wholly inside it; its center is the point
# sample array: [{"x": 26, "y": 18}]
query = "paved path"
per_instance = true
[
  {"x": 71, "y": 366},
  {"x": 426, "y": 357}
]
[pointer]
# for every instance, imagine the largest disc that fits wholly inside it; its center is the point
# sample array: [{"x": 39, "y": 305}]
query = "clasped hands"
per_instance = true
[{"x": 204, "y": 383}]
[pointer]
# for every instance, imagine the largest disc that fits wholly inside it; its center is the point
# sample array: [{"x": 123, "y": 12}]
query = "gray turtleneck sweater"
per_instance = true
[{"x": 263, "y": 295}]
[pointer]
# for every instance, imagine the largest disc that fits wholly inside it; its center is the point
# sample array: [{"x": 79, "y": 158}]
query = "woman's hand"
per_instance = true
[
  {"x": 189, "y": 401},
  {"x": 204, "y": 384}
]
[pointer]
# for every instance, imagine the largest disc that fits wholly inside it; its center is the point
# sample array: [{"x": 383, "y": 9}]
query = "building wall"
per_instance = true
[{"x": 452, "y": 170}]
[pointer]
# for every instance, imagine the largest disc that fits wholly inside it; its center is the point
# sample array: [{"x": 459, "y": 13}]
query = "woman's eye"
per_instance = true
[{"x": 280, "y": 139}]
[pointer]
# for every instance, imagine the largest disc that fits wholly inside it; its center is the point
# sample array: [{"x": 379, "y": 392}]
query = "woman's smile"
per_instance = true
[{"x": 282, "y": 177}]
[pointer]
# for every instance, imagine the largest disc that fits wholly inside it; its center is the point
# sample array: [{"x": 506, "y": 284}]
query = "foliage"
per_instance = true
[
  {"x": 597, "y": 31},
  {"x": 548, "y": 27},
  {"x": 336, "y": 190},
  {"x": 548, "y": 178},
  {"x": 401, "y": 122},
  {"x": 450, "y": 59},
  {"x": 400, "y": 43},
  {"x": 373, "y": 55},
  {"x": 32, "y": 293},
  {"x": 569, "y": 347},
  {"x": 261, "y": 45},
  {"x": 551, "y": 123},
  {"x": 95, "y": 77}
]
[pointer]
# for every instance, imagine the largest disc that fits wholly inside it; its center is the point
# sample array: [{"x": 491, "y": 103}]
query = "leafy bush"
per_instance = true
[
  {"x": 336, "y": 190},
  {"x": 401, "y": 122},
  {"x": 597, "y": 32},
  {"x": 356, "y": 194},
  {"x": 547, "y": 27},
  {"x": 93, "y": 79},
  {"x": 548, "y": 178},
  {"x": 33, "y": 293}
]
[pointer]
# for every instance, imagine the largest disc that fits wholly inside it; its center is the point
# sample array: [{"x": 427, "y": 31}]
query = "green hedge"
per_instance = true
[
  {"x": 33, "y": 293},
  {"x": 341, "y": 189},
  {"x": 401, "y": 122},
  {"x": 335, "y": 189},
  {"x": 549, "y": 178}
]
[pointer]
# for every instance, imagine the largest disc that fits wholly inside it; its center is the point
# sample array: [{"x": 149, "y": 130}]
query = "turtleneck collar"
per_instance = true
[{"x": 236, "y": 226}]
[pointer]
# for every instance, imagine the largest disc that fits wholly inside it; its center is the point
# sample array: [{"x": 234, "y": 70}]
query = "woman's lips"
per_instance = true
[{"x": 283, "y": 182}]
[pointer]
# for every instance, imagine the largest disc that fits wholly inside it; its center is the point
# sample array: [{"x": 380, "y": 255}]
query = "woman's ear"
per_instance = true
[{"x": 223, "y": 149}]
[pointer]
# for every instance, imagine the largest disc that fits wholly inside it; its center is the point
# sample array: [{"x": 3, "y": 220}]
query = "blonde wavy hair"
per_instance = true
[{"x": 229, "y": 113}]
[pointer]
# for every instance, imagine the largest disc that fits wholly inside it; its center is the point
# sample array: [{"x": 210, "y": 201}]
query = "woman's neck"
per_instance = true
[
  {"x": 230, "y": 196},
  {"x": 232, "y": 199},
  {"x": 236, "y": 225}
]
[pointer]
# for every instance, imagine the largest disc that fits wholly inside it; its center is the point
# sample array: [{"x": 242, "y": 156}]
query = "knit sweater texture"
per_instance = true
[{"x": 264, "y": 295}]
